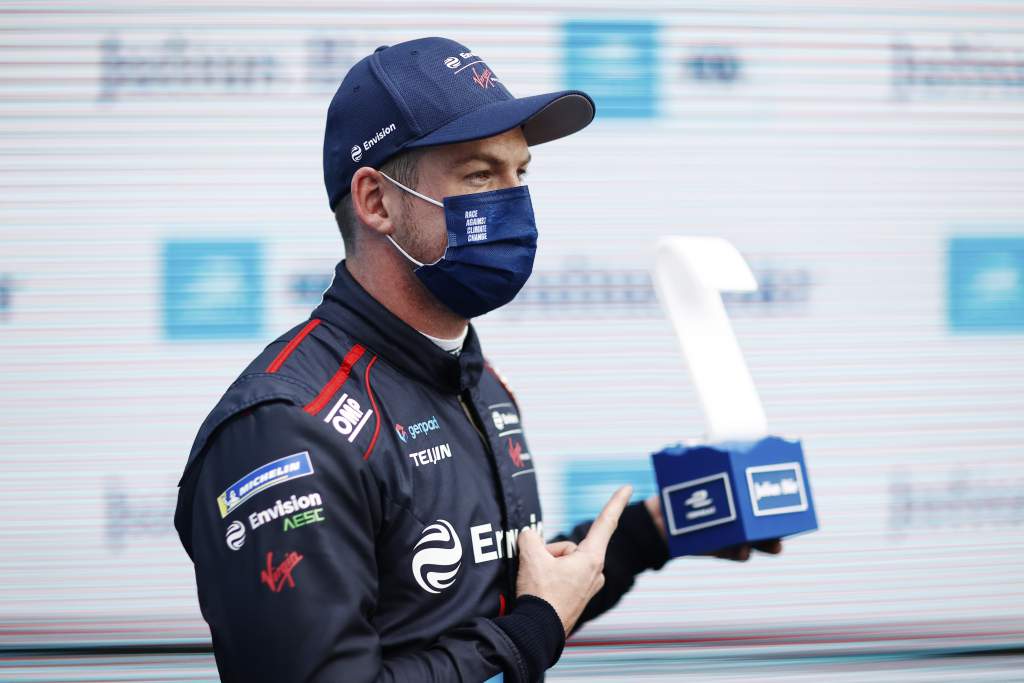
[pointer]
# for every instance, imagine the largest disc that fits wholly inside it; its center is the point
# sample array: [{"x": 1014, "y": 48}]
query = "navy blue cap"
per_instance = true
[{"x": 431, "y": 91}]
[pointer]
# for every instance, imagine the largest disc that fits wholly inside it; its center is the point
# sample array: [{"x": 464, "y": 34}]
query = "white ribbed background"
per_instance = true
[{"x": 813, "y": 162}]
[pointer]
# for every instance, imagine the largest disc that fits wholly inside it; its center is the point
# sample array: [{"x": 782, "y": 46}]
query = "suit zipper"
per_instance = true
[
  {"x": 510, "y": 577},
  {"x": 476, "y": 426}
]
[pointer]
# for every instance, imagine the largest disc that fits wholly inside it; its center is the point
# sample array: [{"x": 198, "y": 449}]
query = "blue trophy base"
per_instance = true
[{"x": 715, "y": 496}]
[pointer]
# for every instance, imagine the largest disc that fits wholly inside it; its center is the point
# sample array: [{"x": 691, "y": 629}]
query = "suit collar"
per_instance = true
[{"x": 350, "y": 307}]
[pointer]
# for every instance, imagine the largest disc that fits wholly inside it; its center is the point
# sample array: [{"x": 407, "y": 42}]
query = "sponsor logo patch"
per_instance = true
[
  {"x": 304, "y": 518},
  {"x": 417, "y": 429},
  {"x": 284, "y": 469},
  {"x": 495, "y": 544},
  {"x": 347, "y": 417},
  {"x": 280, "y": 576},
  {"x": 777, "y": 489},
  {"x": 504, "y": 418},
  {"x": 438, "y": 557},
  {"x": 281, "y": 509},
  {"x": 357, "y": 152},
  {"x": 432, "y": 455},
  {"x": 235, "y": 536},
  {"x": 698, "y": 504}
]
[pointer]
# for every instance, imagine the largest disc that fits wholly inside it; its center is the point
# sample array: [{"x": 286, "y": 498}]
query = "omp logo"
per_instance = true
[
  {"x": 417, "y": 429},
  {"x": 439, "y": 549},
  {"x": 452, "y": 62},
  {"x": 357, "y": 152},
  {"x": 347, "y": 417},
  {"x": 273, "y": 473},
  {"x": 235, "y": 536}
]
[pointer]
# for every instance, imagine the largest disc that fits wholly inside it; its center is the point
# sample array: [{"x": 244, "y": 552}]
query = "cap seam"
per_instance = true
[{"x": 396, "y": 96}]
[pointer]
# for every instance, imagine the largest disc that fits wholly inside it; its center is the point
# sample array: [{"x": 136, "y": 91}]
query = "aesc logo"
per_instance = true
[{"x": 438, "y": 557}]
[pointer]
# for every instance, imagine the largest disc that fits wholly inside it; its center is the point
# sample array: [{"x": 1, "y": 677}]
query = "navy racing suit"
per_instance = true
[{"x": 352, "y": 506}]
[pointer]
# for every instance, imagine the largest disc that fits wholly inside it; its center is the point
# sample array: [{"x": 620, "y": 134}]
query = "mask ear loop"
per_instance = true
[{"x": 421, "y": 196}]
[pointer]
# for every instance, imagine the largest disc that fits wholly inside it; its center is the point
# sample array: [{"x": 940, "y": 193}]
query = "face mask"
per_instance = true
[{"x": 492, "y": 239}]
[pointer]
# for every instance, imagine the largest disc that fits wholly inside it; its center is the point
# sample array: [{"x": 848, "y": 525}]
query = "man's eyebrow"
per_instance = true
[{"x": 489, "y": 158}]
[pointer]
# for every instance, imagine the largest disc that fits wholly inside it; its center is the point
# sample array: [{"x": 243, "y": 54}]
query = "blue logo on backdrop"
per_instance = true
[
  {"x": 616, "y": 63},
  {"x": 714, "y": 63},
  {"x": 213, "y": 289},
  {"x": 777, "y": 489},
  {"x": 590, "y": 483},
  {"x": 986, "y": 284},
  {"x": 698, "y": 503}
]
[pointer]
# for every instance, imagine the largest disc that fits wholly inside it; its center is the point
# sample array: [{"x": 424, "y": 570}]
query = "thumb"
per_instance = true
[{"x": 530, "y": 543}]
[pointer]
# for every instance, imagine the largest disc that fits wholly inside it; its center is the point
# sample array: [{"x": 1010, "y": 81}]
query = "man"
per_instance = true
[{"x": 361, "y": 505}]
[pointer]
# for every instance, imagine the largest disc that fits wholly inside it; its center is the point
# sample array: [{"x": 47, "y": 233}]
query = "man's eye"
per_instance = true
[
  {"x": 482, "y": 175},
  {"x": 523, "y": 173}
]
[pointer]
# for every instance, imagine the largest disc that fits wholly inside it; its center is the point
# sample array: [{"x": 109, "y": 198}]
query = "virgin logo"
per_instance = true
[
  {"x": 438, "y": 558},
  {"x": 277, "y": 577},
  {"x": 484, "y": 80}
]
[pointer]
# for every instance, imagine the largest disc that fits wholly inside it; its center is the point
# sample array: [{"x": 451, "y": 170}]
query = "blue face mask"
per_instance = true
[{"x": 492, "y": 239}]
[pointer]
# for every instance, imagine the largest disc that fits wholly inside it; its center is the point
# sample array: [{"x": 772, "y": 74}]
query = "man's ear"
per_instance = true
[{"x": 370, "y": 203}]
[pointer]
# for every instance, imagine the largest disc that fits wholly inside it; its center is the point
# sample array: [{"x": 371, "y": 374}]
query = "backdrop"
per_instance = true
[{"x": 163, "y": 218}]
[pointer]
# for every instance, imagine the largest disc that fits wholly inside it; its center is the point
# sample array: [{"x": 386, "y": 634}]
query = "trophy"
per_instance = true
[{"x": 738, "y": 485}]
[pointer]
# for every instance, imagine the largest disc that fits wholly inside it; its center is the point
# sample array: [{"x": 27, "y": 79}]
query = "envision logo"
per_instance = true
[
  {"x": 235, "y": 536},
  {"x": 439, "y": 547},
  {"x": 357, "y": 153}
]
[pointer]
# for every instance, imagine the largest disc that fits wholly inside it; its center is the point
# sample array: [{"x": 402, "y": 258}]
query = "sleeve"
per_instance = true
[
  {"x": 284, "y": 527},
  {"x": 635, "y": 547}
]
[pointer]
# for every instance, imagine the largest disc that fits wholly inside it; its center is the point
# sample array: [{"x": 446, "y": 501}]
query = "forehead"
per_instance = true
[{"x": 507, "y": 148}]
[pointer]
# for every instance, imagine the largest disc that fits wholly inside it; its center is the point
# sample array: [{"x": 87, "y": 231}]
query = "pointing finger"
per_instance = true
[{"x": 604, "y": 526}]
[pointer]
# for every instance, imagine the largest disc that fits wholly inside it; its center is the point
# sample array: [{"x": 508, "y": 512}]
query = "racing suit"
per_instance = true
[{"x": 352, "y": 506}]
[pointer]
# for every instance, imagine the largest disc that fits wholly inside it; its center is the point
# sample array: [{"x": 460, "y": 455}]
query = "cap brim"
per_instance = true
[{"x": 543, "y": 117}]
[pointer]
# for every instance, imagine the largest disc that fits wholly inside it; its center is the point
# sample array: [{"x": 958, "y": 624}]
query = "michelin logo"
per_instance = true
[{"x": 284, "y": 469}]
